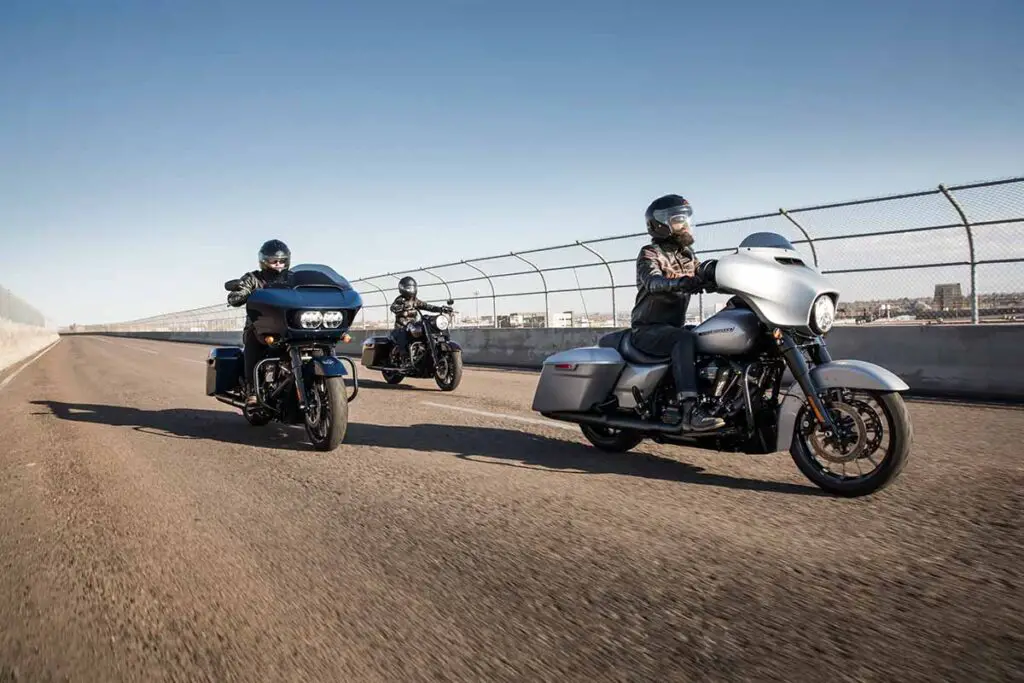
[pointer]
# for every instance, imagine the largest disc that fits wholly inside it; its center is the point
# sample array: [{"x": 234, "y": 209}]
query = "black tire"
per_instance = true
[
  {"x": 392, "y": 376},
  {"x": 453, "y": 377},
  {"x": 611, "y": 439},
  {"x": 900, "y": 431},
  {"x": 257, "y": 418},
  {"x": 337, "y": 414}
]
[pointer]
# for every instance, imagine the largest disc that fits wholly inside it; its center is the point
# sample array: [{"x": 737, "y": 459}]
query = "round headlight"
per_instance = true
[
  {"x": 311, "y": 319},
  {"x": 333, "y": 318},
  {"x": 824, "y": 314},
  {"x": 442, "y": 322}
]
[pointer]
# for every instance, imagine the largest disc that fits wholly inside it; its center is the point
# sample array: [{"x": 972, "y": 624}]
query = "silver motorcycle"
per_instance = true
[{"x": 844, "y": 422}]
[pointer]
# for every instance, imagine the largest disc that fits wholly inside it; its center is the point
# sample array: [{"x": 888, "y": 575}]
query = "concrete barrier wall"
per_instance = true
[
  {"x": 19, "y": 341},
  {"x": 976, "y": 362}
]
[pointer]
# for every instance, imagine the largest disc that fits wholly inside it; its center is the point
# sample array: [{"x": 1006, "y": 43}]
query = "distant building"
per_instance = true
[{"x": 948, "y": 297}]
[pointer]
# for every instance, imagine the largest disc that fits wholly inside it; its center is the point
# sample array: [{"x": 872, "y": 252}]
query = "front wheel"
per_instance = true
[
  {"x": 448, "y": 373},
  {"x": 879, "y": 438},
  {"x": 327, "y": 413},
  {"x": 611, "y": 439}
]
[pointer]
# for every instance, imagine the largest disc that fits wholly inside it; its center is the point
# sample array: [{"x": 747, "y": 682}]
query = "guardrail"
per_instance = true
[
  {"x": 908, "y": 255},
  {"x": 16, "y": 310}
]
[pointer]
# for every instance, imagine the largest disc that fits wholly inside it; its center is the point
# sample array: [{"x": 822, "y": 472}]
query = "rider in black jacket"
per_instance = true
[
  {"x": 404, "y": 308},
  {"x": 275, "y": 262},
  {"x": 667, "y": 274}
]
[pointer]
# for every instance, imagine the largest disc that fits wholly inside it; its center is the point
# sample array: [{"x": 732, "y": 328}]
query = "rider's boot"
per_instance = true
[{"x": 694, "y": 418}]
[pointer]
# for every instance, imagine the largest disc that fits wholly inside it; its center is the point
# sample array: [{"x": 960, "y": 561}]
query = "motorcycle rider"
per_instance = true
[
  {"x": 275, "y": 262},
  {"x": 667, "y": 274},
  {"x": 404, "y": 308}
]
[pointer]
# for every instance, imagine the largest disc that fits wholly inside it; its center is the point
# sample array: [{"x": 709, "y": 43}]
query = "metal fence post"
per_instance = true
[
  {"x": 442, "y": 280},
  {"x": 970, "y": 246},
  {"x": 383, "y": 296},
  {"x": 814, "y": 252},
  {"x": 494, "y": 297},
  {"x": 611, "y": 276},
  {"x": 544, "y": 284}
]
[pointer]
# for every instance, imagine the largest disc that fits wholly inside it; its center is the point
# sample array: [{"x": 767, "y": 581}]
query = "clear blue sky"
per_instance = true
[{"x": 149, "y": 147}]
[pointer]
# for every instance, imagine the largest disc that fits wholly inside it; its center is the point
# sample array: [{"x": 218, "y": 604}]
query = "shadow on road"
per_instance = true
[{"x": 480, "y": 444}]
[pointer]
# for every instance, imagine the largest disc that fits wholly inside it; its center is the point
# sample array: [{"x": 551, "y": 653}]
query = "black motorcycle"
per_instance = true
[
  {"x": 301, "y": 379},
  {"x": 432, "y": 353}
]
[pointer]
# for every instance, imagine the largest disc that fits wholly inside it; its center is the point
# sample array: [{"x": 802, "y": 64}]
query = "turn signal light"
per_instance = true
[
  {"x": 269, "y": 339},
  {"x": 346, "y": 338}
]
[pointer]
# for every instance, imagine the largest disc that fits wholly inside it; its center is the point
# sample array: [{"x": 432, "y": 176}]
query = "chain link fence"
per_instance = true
[
  {"x": 945, "y": 255},
  {"x": 15, "y": 310}
]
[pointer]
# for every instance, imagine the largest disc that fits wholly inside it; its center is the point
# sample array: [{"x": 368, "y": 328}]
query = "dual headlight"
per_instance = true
[
  {"x": 823, "y": 314},
  {"x": 311, "y": 320}
]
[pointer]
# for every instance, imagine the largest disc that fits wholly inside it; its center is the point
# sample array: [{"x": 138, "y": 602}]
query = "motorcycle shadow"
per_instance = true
[
  {"x": 510, "y": 448},
  {"x": 223, "y": 426}
]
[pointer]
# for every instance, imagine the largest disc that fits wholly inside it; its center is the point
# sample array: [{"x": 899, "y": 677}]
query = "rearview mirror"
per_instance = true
[{"x": 233, "y": 285}]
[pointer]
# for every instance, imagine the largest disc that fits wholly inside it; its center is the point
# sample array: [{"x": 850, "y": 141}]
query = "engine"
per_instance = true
[{"x": 721, "y": 385}]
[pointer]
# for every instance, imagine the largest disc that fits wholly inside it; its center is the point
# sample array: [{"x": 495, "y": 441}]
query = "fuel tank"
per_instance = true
[{"x": 731, "y": 332}]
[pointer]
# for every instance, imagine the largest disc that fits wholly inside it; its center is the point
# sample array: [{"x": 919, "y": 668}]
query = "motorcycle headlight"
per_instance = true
[
  {"x": 442, "y": 322},
  {"x": 311, "y": 319},
  {"x": 823, "y": 314},
  {"x": 333, "y": 318}
]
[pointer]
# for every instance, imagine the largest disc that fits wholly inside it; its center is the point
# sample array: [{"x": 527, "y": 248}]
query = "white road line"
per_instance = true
[
  {"x": 506, "y": 416},
  {"x": 27, "y": 363}
]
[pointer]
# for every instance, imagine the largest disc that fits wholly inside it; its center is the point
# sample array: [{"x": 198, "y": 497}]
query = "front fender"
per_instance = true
[
  {"x": 846, "y": 374},
  {"x": 454, "y": 346},
  {"x": 328, "y": 366}
]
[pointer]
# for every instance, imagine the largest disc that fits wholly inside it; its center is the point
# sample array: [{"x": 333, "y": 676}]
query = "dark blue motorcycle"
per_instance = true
[{"x": 301, "y": 379}]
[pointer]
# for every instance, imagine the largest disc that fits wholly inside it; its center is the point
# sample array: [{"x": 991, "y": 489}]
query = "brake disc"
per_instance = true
[{"x": 831, "y": 448}]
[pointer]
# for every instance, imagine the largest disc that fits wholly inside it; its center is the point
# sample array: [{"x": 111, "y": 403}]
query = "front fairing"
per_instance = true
[
  {"x": 775, "y": 283},
  {"x": 275, "y": 310}
]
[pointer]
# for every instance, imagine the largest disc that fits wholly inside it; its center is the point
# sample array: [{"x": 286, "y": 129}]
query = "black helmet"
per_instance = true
[
  {"x": 275, "y": 256},
  {"x": 668, "y": 218},
  {"x": 407, "y": 286}
]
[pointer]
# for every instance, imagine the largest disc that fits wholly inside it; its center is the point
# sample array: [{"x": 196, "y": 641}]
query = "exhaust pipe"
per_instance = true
[
  {"x": 634, "y": 423},
  {"x": 230, "y": 401}
]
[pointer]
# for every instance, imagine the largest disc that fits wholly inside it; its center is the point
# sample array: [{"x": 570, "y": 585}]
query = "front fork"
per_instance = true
[
  {"x": 300, "y": 384},
  {"x": 802, "y": 373}
]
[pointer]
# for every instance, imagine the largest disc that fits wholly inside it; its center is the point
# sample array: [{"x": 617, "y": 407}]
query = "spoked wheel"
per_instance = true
[
  {"x": 611, "y": 439},
  {"x": 327, "y": 413},
  {"x": 867, "y": 456},
  {"x": 448, "y": 373}
]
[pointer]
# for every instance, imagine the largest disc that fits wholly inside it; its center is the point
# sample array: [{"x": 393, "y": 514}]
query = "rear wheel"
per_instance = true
[
  {"x": 327, "y": 415},
  {"x": 611, "y": 439},
  {"x": 392, "y": 376},
  {"x": 257, "y": 417},
  {"x": 876, "y": 449}
]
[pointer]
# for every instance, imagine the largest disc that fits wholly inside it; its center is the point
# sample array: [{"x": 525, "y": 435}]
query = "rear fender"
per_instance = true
[{"x": 845, "y": 374}]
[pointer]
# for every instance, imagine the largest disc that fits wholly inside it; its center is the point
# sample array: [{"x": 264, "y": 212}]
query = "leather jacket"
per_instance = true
[
  {"x": 665, "y": 279},
  {"x": 258, "y": 279},
  {"x": 405, "y": 309}
]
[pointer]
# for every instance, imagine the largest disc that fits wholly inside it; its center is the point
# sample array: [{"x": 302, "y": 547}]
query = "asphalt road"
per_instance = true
[{"x": 147, "y": 533}]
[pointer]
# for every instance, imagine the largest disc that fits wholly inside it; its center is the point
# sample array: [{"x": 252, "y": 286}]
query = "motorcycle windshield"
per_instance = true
[
  {"x": 319, "y": 275},
  {"x": 766, "y": 240}
]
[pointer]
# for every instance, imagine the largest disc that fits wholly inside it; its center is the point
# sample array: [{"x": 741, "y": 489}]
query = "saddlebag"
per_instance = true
[
  {"x": 577, "y": 379},
  {"x": 225, "y": 366},
  {"x": 376, "y": 351}
]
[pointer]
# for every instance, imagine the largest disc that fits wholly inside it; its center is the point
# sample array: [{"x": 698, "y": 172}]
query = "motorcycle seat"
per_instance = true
[{"x": 621, "y": 341}]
